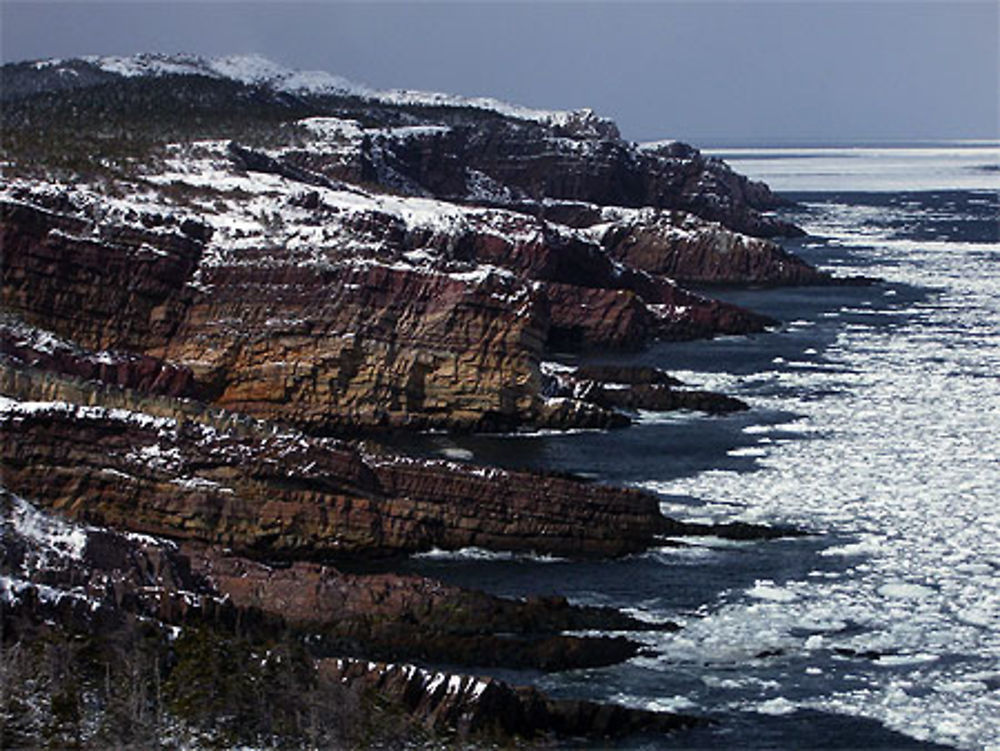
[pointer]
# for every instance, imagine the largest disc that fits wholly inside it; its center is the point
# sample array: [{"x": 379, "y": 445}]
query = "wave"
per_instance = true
[{"x": 481, "y": 554}]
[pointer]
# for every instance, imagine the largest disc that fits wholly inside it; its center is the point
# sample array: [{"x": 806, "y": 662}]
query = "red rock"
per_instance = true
[{"x": 679, "y": 246}]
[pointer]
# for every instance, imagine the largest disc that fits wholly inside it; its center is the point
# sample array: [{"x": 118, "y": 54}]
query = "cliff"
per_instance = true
[
  {"x": 218, "y": 276},
  {"x": 65, "y": 584},
  {"x": 264, "y": 491},
  {"x": 359, "y": 311}
]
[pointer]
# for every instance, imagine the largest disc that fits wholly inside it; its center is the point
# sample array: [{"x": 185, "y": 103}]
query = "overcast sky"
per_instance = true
[{"x": 707, "y": 72}]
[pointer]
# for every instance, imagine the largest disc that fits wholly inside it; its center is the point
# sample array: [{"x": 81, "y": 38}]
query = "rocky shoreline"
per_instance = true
[{"x": 202, "y": 341}]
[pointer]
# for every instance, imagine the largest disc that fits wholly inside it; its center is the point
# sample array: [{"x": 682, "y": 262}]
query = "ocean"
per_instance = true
[{"x": 874, "y": 425}]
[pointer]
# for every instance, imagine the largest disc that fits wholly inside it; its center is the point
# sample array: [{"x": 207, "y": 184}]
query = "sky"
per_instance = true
[{"x": 707, "y": 72}]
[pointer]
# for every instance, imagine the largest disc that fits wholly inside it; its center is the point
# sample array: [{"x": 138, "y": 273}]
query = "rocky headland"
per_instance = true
[{"x": 222, "y": 283}]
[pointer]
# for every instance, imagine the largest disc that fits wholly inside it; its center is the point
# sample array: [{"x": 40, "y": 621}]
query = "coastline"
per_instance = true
[{"x": 136, "y": 400}]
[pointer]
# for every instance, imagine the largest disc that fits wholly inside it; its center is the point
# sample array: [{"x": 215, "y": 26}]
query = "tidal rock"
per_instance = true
[
  {"x": 93, "y": 576},
  {"x": 469, "y": 706},
  {"x": 640, "y": 389},
  {"x": 634, "y": 375},
  {"x": 657, "y": 398},
  {"x": 522, "y": 164},
  {"x": 407, "y": 617},
  {"x": 691, "y": 250}
]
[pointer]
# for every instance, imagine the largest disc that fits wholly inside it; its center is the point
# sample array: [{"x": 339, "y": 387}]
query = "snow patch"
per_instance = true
[{"x": 51, "y": 537}]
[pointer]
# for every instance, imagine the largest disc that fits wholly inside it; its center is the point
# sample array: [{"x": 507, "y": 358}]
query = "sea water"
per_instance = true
[{"x": 874, "y": 425}]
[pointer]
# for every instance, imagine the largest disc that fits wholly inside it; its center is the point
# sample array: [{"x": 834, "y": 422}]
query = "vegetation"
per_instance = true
[
  {"x": 110, "y": 128},
  {"x": 134, "y": 685},
  {"x": 107, "y": 125}
]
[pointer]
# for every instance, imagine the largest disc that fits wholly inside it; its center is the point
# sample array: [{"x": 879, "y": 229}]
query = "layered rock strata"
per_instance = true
[
  {"x": 243, "y": 262},
  {"x": 689, "y": 250},
  {"x": 289, "y": 495},
  {"x": 96, "y": 573},
  {"x": 420, "y": 326},
  {"x": 60, "y": 580},
  {"x": 264, "y": 491}
]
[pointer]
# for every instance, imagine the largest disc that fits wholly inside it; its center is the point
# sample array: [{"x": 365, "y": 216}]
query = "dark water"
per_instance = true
[{"x": 855, "y": 400}]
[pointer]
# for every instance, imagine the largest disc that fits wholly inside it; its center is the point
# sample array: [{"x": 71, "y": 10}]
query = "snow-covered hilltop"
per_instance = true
[{"x": 255, "y": 70}]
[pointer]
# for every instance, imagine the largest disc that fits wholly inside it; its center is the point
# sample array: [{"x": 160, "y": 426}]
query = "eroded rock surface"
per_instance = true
[
  {"x": 485, "y": 706},
  {"x": 60, "y": 581},
  {"x": 242, "y": 262},
  {"x": 632, "y": 389},
  {"x": 687, "y": 249},
  {"x": 283, "y": 492}
]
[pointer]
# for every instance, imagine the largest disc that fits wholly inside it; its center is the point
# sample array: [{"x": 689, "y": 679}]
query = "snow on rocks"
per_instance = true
[
  {"x": 50, "y": 538},
  {"x": 11, "y": 409}
]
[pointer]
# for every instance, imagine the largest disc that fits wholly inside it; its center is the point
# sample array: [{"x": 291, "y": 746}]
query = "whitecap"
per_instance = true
[
  {"x": 481, "y": 554},
  {"x": 460, "y": 454},
  {"x": 868, "y": 545},
  {"x": 778, "y": 706},
  {"x": 749, "y": 451},
  {"x": 906, "y": 659},
  {"x": 767, "y": 590}
]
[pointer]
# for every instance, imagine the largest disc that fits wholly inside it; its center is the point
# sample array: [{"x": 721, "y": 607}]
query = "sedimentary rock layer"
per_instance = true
[
  {"x": 328, "y": 341},
  {"x": 65, "y": 582},
  {"x": 684, "y": 248},
  {"x": 96, "y": 573},
  {"x": 285, "y": 494}
]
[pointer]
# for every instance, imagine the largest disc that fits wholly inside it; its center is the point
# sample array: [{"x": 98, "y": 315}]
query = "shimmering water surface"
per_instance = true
[{"x": 874, "y": 423}]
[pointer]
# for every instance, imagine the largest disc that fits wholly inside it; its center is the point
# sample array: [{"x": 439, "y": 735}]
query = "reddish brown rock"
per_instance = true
[
  {"x": 589, "y": 318},
  {"x": 370, "y": 346},
  {"x": 352, "y": 342},
  {"x": 95, "y": 573},
  {"x": 139, "y": 600},
  {"x": 281, "y": 493},
  {"x": 686, "y": 249},
  {"x": 406, "y": 617},
  {"x": 38, "y": 349},
  {"x": 120, "y": 287}
]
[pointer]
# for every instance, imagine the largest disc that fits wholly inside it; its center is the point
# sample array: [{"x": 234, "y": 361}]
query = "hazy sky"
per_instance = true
[{"x": 701, "y": 71}]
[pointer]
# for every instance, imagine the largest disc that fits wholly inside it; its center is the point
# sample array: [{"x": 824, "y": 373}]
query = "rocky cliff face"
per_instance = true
[
  {"x": 106, "y": 286},
  {"x": 681, "y": 246},
  {"x": 331, "y": 309},
  {"x": 59, "y": 580},
  {"x": 215, "y": 276},
  {"x": 507, "y": 162},
  {"x": 286, "y": 494}
]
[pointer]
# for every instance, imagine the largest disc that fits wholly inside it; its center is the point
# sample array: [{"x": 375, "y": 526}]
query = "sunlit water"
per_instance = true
[{"x": 875, "y": 421}]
